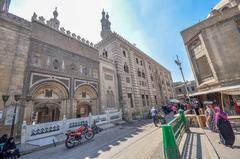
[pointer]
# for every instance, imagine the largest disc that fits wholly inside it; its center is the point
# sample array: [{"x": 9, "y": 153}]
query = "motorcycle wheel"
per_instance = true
[
  {"x": 89, "y": 135},
  {"x": 69, "y": 142}
]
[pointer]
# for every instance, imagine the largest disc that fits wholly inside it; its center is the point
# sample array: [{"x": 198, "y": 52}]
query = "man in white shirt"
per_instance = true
[{"x": 153, "y": 112}]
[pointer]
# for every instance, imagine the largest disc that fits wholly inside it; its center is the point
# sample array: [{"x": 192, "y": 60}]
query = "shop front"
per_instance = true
[{"x": 228, "y": 98}]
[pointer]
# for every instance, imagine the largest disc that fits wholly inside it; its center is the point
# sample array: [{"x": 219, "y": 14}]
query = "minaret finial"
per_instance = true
[
  {"x": 103, "y": 13},
  {"x": 106, "y": 25},
  {"x": 55, "y": 13}
]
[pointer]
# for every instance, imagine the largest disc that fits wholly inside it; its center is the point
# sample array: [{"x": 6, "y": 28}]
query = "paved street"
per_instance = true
[{"x": 139, "y": 140}]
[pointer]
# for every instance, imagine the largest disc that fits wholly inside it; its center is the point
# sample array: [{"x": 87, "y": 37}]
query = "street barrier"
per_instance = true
[
  {"x": 43, "y": 130},
  {"x": 172, "y": 135}
]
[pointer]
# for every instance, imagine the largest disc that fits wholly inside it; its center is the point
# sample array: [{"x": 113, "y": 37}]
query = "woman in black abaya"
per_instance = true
[{"x": 226, "y": 133}]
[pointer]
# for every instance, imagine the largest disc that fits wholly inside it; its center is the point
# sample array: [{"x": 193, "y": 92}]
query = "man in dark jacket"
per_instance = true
[{"x": 11, "y": 149}]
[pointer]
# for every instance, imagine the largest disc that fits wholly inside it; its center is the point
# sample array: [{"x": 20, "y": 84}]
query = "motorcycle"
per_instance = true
[{"x": 75, "y": 137}]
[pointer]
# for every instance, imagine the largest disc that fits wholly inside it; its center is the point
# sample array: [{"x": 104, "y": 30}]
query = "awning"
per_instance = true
[{"x": 231, "y": 90}]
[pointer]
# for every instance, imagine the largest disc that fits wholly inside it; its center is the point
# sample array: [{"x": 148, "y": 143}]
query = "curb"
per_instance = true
[{"x": 40, "y": 148}]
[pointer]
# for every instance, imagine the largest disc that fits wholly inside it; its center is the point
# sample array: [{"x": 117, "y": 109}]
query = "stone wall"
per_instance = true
[
  {"x": 45, "y": 33},
  {"x": 14, "y": 44},
  {"x": 219, "y": 38},
  {"x": 157, "y": 91}
]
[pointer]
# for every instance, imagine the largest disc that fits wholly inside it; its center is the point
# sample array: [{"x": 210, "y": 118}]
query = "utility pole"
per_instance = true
[{"x": 184, "y": 81}]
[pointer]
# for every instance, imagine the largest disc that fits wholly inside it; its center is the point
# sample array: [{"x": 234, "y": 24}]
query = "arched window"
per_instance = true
[
  {"x": 143, "y": 74},
  {"x": 139, "y": 73},
  {"x": 126, "y": 69},
  {"x": 124, "y": 53},
  {"x": 56, "y": 64},
  {"x": 105, "y": 54}
]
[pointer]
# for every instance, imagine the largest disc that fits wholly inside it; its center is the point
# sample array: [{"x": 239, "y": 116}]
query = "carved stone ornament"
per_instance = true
[
  {"x": 62, "y": 29},
  {"x": 68, "y": 32},
  {"x": 34, "y": 17},
  {"x": 54, "y": 22},
  {"x": 42, "y": 19},
  {"x": 73, "y": 35}
]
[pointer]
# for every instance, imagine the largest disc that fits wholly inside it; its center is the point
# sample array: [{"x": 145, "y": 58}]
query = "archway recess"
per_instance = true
[
  {"x": 49, "y": 102},
  {"x": 86, "y": 97}
]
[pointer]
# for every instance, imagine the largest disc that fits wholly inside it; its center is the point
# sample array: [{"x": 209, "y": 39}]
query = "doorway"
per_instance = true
[
  {"x": 46, "y": 112},
  {"x": 83, "y": 110}
]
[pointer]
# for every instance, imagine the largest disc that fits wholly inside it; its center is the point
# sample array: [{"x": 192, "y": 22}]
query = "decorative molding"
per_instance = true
[
  {"x": 78, "y": 83},
  {"x": 13, "y": 18},
  {"x": 37, "y": 78},
  {"x": 62, "y": 30}
]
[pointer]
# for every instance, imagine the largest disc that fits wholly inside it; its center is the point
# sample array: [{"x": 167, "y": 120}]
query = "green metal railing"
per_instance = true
[{"x": 172, "y": 135}]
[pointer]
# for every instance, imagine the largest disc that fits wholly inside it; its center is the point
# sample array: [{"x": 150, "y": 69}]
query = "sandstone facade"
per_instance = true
[
  {"x": 61, "y": 75},
  {"x": 142, "y": 82},
  {"x": 213, "y": 47}
]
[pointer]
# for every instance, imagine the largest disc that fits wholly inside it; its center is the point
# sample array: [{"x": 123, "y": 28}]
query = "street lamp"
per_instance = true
[
  {"x": 5, "y": 99},
  {"x": 180, "y": 67}
]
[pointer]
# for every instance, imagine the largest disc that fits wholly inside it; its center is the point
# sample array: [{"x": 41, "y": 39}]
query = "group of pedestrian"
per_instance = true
[
  {"x": 217, "y": 121},
  {"x": 8, "y": 149}
]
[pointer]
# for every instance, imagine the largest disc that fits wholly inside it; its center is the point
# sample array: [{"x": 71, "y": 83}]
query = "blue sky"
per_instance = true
[{"x": 153, "y": 25}]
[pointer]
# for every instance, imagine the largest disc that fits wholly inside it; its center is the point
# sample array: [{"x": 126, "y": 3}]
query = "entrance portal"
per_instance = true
[
  {"x": 83, "y": 110},
  {"x": 47, "y": 112}
]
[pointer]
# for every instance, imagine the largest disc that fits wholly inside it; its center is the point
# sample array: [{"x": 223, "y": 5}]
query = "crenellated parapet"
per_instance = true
[
  {"x": 55, "y": 24},
  {"x": 15, "y": 19}
]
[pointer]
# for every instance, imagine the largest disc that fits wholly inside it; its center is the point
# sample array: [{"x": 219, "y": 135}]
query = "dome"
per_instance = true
[{"x": 222, "y": 5}]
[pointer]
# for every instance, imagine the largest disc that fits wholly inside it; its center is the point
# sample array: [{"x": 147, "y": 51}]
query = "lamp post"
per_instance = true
[
  {"x": 180, "y": 67},
  {"x": 5, "y": 99}
]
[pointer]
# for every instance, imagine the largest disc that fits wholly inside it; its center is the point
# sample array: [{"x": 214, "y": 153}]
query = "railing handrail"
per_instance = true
[
  {"x": 172, "y": 135},
  {"x": 172, "y": 121}
]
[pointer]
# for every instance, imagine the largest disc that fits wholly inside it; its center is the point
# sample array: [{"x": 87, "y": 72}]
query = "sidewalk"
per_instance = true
[
  {"x": 221, "y": 150},
  {"x": 194, "y": 145},
  {"x": 202, "y": 143}
]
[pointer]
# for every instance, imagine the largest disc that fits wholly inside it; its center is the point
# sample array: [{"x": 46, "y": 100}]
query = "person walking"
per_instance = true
[
  {"x": 196, "y": 107},
  {"x": 226, "y": 133},
  {"x": 209, "y": 114},
  {"x": 154, "y": 115}
]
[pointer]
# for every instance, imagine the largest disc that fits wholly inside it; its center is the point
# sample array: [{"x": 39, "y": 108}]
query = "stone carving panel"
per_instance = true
[{"x": 37, "y": 77}]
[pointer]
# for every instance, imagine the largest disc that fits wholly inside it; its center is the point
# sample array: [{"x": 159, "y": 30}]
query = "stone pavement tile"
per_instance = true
[
  {"x": 223, "y": 151},
  {"x": 194, "y": 147}
]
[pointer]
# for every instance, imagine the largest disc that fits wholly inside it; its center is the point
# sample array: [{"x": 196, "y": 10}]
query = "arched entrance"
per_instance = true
[
  {"x": 49, "y": 103},
  {"x": 83, "y": 110},
  {"x": 46, "y": 112},
  {"x": 86, "y": 97}
]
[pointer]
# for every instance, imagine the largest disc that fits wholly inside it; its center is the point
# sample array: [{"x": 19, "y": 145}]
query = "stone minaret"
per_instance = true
[
  {"x": 106, "y": 25},
  {"x": 4, "y": 5}
]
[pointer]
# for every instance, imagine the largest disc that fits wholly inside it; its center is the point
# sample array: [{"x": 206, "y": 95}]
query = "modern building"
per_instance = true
[
  {"x": 213, "y": 50},
  {"x": 180, "y": 90},
  {"x": 62, "y": 75}
]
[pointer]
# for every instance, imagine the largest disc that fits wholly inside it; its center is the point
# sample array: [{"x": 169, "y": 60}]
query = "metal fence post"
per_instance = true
[
  {"x": 169, "y": 143},
  {"x": 183, "y": 118}
]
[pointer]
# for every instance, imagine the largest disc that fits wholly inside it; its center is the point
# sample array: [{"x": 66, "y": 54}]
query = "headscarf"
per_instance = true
[{"x": 219, "y": 114}]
